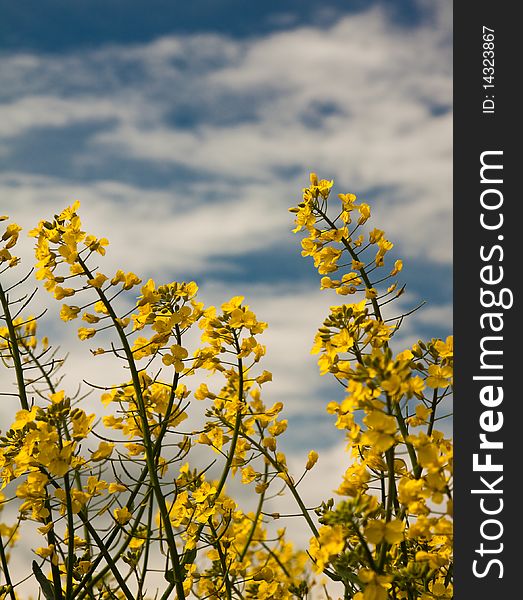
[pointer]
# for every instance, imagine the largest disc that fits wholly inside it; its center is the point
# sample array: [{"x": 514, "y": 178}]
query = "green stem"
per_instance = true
[
  {"x": 70, "y": 539},
  {"x": 82, "y": 590},
  {"x": 149, "y": 446},
  {"x": 130, "y": 500},
  {"x": 100, "y": 544},
  {"x": 289, "y": 483},
  {"x": 391, "y": 495},
  {"x": 433, "y": 413},
  {"x": 377, "y": 313},
  {"x": 234, "y": 440},
  {"x": 145, "y": 562},
  {"x": 235, "y": 435},
  {"x": 365, "y": 546},
  {"x": 389, "y": 455},
  {"x": 51, "y": 540},
  {"x": 5, "y": 569},
  {"x": 256, "y": 517},
  {"x": 77, "y": 478},
  {"x": 223, "y": 562},
  {"x": 416, "y": 468},
  {"x": 15, "y": 353},
  {"x": 354, "y": 256},
  {"x": 107, "y": 557},
  {"x": 276, "y": 558}
]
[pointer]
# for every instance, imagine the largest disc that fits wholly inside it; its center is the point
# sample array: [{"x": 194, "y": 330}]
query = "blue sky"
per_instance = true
[
  {"x": 186, "y": 130},
  {"x": 61, "y": 25}
]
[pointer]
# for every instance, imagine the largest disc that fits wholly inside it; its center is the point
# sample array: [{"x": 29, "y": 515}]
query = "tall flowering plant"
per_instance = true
[{"x": 122, "y": 502}]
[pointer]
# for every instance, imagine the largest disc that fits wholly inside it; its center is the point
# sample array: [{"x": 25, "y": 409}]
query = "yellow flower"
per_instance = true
[
  {"x": 98, "y": 280},
  {"x": 136, "y": 543},
  {"x": 354, "y": 480},
  {"x": 116, "y": 487},
  {"x": 329, "y": 543},
  {"x": 78, "y": 500},
  {"x": 269, "y": 443},
  {"x": 391, "y": 532},
  {"x": 312, "y": 459},
  {"x": 11, "y": 235},
  {"x": 364, "y": 210},
  {"x": 57, "y": 460},
  {"x": 60, "y": 293},
  {"x": 415, "y": 385},
  {"x": 439, "y": 377},
  {"x": 84, "y": 333},
  {"x": 45, "y": 552},
  {"x": 81, "y": 423},
  {"x": 242, "y": 318},
  {"x": 278, "y": 427},
  {"x": 68, "y": 313},
  {"x": 96, "y": 245},
  {"x": 432, "y": 558},
  {"x": 232, "y": 304},
  {"x": 57, "y": 397},
  {"x": 23, "y": 417},
  {"x": 134, "y": 449},
  {"x": 100, "y": 307},
  {"x": 118, "y": 278},
  {"x": 422, "y": 412},
  {"x": 381, "y": 435},
  {"x": 376, "y": 586},
  {"x": 249, "y": 474},
  {"x": 445, "y": 349},
  {"x": 142, "y": 347},
  {"x": 383, "y": 247},
  {"x": 131, "y": 280},
  {"x": 76, "y": 269},
  {"x": 398, "y": 266},
  {"x": 105, "y": 449},
  {"x": 122, "y": 515},
  {"x": 324, "y": 187},
  {"x": 412, "y": 493},
  {"x": 203, "y": 392},
  {"x": 265, "y": 376},
  {"x": 375, "y": 235},
  {"x": 178, "y": 353},
  {"x": 5, "y": 256},
  {"x": 95, "y": 486},
  {"x": 328, "y": 283},
  {"x": 68, "y": 213},
  {"x": 34, "y": 486},
  {"x": 46, "y": 528},
  {"x": 205, "y": 490},
  {"x": 84, "y": 566},
  {"x": 89, "y": 318}
]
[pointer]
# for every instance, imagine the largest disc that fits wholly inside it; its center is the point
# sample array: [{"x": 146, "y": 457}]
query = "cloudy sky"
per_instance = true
[{"x": 187, "y": 129}]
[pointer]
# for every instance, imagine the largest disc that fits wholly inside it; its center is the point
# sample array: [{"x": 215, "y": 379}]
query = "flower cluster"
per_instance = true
[
  {"x": 129, "y": 496},
  {"x": 394, "y": 529},
  {"x": 140, "y": 479}
]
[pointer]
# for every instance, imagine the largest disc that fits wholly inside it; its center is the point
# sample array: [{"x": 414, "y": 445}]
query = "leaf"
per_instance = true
[{"x": 45, "y": 584}]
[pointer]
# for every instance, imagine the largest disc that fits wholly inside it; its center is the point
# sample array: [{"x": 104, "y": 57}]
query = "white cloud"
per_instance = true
[
  {"x": 159, "y": 232},
  {"x": 30, "y": 112},
  {"x": 353, "y": 100}
]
